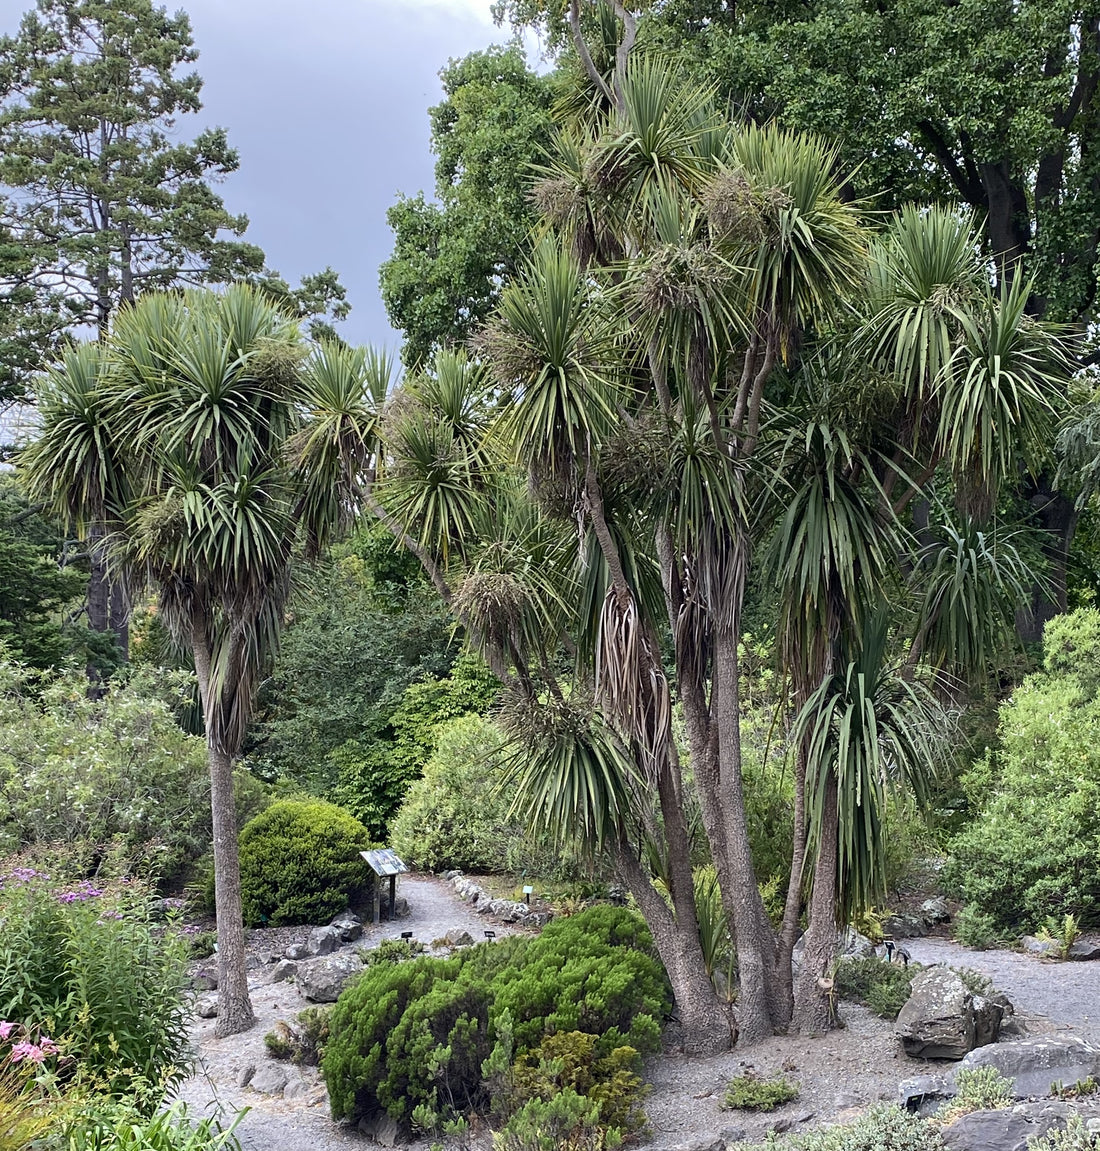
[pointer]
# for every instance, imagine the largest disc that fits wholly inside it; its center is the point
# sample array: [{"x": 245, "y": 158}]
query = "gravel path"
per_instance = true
[
  {"x": 1068, "y": 994},
  {"x": 303, "y": 1123}
]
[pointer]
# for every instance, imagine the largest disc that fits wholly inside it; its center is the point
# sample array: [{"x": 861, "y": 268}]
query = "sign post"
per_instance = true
[{"x": 385, "y": 864}]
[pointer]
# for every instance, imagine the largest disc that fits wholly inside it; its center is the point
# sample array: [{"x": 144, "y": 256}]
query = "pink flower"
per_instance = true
[
  {"x": 6, "y": 1028},
  {"x": 28, "y": 1051}
]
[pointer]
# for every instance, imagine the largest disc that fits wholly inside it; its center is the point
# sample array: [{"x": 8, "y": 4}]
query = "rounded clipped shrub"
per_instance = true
[
  {"x": 300, "y": 863},
  {"x": 420, "y": 1036}
]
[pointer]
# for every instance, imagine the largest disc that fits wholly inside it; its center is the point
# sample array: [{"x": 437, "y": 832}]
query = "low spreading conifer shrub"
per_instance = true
[{"x": 429, "y": 1035}]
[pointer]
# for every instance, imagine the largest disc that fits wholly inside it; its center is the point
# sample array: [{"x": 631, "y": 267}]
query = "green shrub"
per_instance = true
[
  {"x": 304, "y": 1041},
  {"x": 565, "y": 1122},
  {"x": 300, "y": 863},
  {"x": 977, "y": 1089},
  {"x": 1075, "y": 1137},
  {"x": 391, "y": 951},
  {"x": 974, "y": 928},
  {"x": 114, "y": 774},
  {"x": 883, "y": 1127},
  {"x": 453, "y": 816},
  {"x": 881, "y": 986},
  {"x": 1034, "y": 849},
  {"x": 755, "y": 1093},
  {"x": 568, "y": 1061},
  {"x": 86, "y": 966},
  {"x": 976, "y": 983},
  {"x": 422, "y": 1033}
]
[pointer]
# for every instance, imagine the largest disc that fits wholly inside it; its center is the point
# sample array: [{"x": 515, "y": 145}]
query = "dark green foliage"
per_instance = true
[
  {"x": 881, "y": 986},
  {"x": 754, "y": 1093},
  {"x": 417, "y": 1034},
  {"x": 444, "y": 275},
  {"x": 300, "y": 863},
  {"x": 1034, "y": 849}
]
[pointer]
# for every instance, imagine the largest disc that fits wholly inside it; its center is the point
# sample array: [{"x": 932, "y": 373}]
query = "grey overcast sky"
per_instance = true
[{"x": 326, "y": 101}]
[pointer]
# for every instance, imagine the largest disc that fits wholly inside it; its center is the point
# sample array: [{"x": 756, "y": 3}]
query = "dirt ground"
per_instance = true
[{"x": 838, "y": 1075}]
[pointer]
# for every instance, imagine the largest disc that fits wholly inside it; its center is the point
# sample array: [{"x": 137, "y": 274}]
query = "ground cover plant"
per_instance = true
[
  {"x": 759, "y": 1093},
  {"x": 300, "y": 863},
  {"x": 879, "y": 985},
  {"x": 428, "y": 1039}
]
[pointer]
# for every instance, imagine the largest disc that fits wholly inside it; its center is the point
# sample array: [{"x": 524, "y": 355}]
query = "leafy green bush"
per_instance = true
[
  {"x": 974, "y": 928},
  {"x": 1034, "y": 849},
  {"x": 110, "y": 774},
  {"x": 453, "y": 816},
  {"x": 756, "y": 1093},
  {"x": 118, "y": 1127},
  {"x": 300, "y": 863},
  {"x": 86, "y": 966},
  {"x": 883, "y": 1127},
  {"x": 881, "y": 986},
  {"x": 420, "y": 1034}
]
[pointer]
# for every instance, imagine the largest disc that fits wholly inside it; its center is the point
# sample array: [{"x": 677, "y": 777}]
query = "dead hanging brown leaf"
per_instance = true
[{"x": 630, "y": 683}]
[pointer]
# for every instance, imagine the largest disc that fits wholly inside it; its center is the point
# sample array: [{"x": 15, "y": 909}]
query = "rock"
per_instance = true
[
  {"x": 1083, "y": 951},
  {"x": 1010, "y": 1129},
  {"x": 349, "y": 925},
  {"x": 940, "y": 1019},
  {"x": 296, "y": 951},
  {"x": 455, "y": 938},
  {"x": 244, "y": 1076},
  {"x": 270, "y": 1079},
  {"x": 380, "y": 1127},
  {"x": 205, "y": 980},
  {"x": 206, "y": 1007},
  {"x": 1045, "y": 947},
  {"x": 935, "y": 910},
  {"x": 321, "y": 980},
  {"x": 535, "y": 919},
  {"x": 270, "y": 957},
  {"x": 850, "y": 942},
  {"x": 924, "y": 1093},
  {"x": 802, "y": 1117},
  {"x": 734, "y": 1134},
  {"x": 323, "y": 941},
  {"x": 988, "y": 1014},
  {"x": 451, "y": 874},
  {"x": 284, "y": 969},
  {"x": 903, "y": 925},
  {"x": 843, "y": 1100},
  {"x": 780, "y": 1125},
  {"x": 1035, "y": 1064},
  {"x": 483, "y": 907},
  {"x": 296, "y": 1087}
]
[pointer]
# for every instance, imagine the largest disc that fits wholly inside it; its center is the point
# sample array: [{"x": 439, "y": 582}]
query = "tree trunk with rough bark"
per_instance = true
[
  {"x": 706, "y": 1024},
  {"x": 234, "y": 1005},
  {"x": 759, "y": 1008},
  {"x": 813, "y": 1007}
]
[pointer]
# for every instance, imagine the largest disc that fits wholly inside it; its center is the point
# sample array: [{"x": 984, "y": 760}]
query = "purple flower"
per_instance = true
[
  {"x": 26, "y": 874},
  {"x": 6, "y": 1028},
  {"x": 29, "y": 1051}
]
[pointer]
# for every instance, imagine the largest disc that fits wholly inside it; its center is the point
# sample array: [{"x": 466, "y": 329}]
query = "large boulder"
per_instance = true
[
  {"x": 1045, "y": 948},
  {"x": 1083, "y": 950},
  {"x": 1036, "y": 1064},
  {"x": 321, "y": 980},
  {"x": 849, "y": 942},
  {"x": 943, "y": 1019},
  {"x": 904, "y": 925}
]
